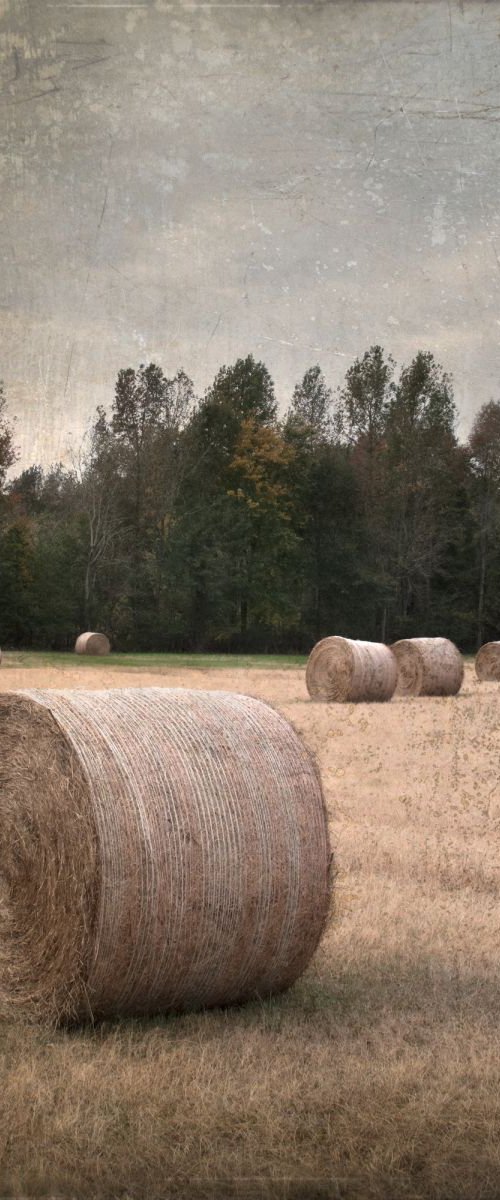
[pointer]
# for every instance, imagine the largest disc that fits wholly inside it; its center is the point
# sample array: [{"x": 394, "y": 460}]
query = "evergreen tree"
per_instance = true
[
  {"x": 484, "y": 451},
  {"x": 8, "y": 453},
  {"x": 419, "y": 472},
  {"x": 325, "y": 513},
  {"x": 364, "y": 403},
  {"x": 219, "y": 546},
  {"x": 311, "y": 408},
  {"x": 17, "y": 595}
]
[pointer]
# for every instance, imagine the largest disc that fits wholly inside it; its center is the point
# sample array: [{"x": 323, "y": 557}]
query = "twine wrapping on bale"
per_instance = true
[
  {"x": 428, "y": 667},
  {"x": 92, "y": 643},
  {"x": 487, "y": 662},
  {"x": 160, "y": 849},
  {"x": 343, "y": 669}
]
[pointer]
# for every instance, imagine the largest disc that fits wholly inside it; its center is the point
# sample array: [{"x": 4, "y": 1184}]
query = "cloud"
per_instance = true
[{"x": 205, "y": 184}]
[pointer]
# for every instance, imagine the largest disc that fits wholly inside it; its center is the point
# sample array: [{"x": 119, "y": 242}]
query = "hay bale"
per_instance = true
[
  {"x": 428, "y": 667},
  {"x": 487, "y": 662},
  {"x": 160, "y": 849},
  {"x": 343, "y": 669},
  {"x": 92, "y": 643}
]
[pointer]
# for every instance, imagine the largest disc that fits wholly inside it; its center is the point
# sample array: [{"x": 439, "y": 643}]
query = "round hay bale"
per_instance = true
[
  {"x": 428, "y": 667},
  {"x": 92, "y": 643},
  {"x": 160, "y": 849},
  {"x": 343, "y": 669},
  {"x": 487, "y": 662}
]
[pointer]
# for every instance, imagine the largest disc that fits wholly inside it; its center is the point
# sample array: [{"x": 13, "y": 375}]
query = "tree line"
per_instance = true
[{"x": 214, "y": 524}]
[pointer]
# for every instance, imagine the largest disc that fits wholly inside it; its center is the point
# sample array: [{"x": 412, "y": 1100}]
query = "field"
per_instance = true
[{"x": 378, "y": 1074}]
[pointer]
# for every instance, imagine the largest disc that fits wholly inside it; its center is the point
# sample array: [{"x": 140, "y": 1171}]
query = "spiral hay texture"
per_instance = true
[
  {"x": 342, "y": 669},
  {"x": 92, "y": 643},
  {"x": 487, "y": 662},
  {"x": 160, "y": 849},
  {"x": 428, "y": 667}
]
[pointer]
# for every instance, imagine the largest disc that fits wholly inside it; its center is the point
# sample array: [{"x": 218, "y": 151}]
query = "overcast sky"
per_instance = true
[{"x": 192, "y": 182}]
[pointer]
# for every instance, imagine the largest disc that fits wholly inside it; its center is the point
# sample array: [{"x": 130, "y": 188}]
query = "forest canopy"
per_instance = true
[{"x": 214, "y": 523}]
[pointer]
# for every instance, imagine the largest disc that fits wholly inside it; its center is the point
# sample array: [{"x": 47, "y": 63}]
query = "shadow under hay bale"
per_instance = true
[
  {"x": 428, "y": 667},
  {"x": 92, "y": 643},
  {"x": 160, "y": 849},
  {"x": 341, "y": 669},
  {"x": 487, "y": 662}
]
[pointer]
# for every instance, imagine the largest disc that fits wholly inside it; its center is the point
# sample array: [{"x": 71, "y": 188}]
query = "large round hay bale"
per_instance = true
[
  {"x": 160, "y": 849},
  {"x": 92, "y": 643},
  {"x": 343, "y": 669},
  {"x": 428, "y": 667},
  {"x": 487, "y": 662}
]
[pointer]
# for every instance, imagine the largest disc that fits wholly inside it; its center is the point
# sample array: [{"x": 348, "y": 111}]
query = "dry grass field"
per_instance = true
[{"x": 378, "y": 1075}]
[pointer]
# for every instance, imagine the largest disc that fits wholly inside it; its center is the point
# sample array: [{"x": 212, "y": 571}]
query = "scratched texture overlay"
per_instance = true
[{"x": 191, "y": 182}]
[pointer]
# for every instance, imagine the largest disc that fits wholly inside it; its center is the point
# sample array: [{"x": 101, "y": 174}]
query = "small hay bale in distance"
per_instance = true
[
  {"x": 342, "y": 669},
  {"x": 92, "y": 643},
  {"x": 487, "y": 662},
  {"x": 160, "y": 849},
  {"x": 428, "y": 667}
]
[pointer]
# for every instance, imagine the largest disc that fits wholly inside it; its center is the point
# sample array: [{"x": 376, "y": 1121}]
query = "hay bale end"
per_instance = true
[
  {"x": 160, "y": 849},
  {"x": 487, "y": 663},
  {"x": 92, "y": 643},
  {"x": 342, "y": 669},
  {"x": 428, "y": 667}
]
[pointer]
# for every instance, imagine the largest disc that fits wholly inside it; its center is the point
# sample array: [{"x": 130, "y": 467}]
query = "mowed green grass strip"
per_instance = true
[{"x": 153, "y": 662}]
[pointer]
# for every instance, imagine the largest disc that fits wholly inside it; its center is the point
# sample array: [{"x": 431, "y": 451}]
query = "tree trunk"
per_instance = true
[
  {"x": 317, "y": 587},
  {"x": 383, "y": 631},
  {"x": 86, "y": 595},
  {"x": 482, "y": 583}
]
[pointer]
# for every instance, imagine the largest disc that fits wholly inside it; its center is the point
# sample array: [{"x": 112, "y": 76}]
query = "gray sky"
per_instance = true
[{"x": 191, "y": 182}]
